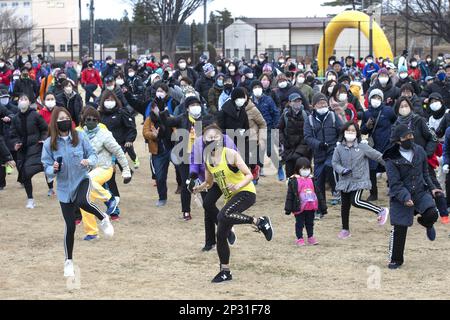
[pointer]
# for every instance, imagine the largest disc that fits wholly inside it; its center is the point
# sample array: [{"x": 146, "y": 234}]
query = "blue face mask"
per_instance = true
[
  {"x": 219, "y": 83},
  {"x": 441, "y": 76}
]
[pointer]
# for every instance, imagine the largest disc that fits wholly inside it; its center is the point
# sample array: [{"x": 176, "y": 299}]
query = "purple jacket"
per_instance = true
[{"x": 197, "y": 162}]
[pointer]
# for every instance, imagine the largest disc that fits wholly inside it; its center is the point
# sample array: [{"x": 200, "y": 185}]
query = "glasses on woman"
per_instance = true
[{"x": 91, "y": 119}]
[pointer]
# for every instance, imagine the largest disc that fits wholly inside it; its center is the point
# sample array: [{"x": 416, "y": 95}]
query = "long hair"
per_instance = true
[{"x": 54, "y": 131}]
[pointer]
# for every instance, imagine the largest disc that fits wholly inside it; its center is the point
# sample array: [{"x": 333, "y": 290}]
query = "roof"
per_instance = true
[{"x": 283, "y": 23}]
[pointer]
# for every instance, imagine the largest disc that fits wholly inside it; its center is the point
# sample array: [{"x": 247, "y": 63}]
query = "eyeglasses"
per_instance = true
[{"x": 91, "y": 119}]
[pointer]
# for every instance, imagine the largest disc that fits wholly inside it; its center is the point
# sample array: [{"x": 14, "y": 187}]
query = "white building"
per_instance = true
[
  {"x": 56, "y": 17},
  {"x": 274, "y": 34}
]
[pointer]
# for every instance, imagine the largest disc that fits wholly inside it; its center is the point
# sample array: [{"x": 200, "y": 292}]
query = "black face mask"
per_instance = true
[
  {"x": 213, "y": 144},
  {"x": 407, "y": 145},
  {"x": 91, "y": 125},
  {"x": 65, "y": 125}
]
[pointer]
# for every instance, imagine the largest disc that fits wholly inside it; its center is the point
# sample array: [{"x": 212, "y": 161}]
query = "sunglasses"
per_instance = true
[{"x": 91, "y": 120}]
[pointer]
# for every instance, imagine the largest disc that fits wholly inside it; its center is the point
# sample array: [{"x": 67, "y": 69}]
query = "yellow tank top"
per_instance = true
[{"x": 223, "y": 175}]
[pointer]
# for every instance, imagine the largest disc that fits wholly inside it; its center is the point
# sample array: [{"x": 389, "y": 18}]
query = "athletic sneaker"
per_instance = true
[
  {"x": 394, "y": 265},
  {"x": 9, "y": 170},
  {"x": 112, "y": 205},
  {"x": 115, "y": 217},
  {"x": 317, "y": 216},
  {"x": 312, "y": 241},
  {"x": 344, "y": 234},
  {"x": 281, "y": 175},
  {"x": 91, "y": 237},
  {"x": 444, "y": 220},
  {"x": 68, "y": 269},
  {"x": 136, "y": 163},
  {"x": 383, "y": 216},
  {"x": 187, "y": 216},
  {"x": 300, "y": 242},
  {"x": 106, "y": 227},
  {"x": 77, "y": 222},
  {"x": 232, "y": 237},
  {"x": 222, "y": 276},
  {"x": 30, "y": 204},
  {"x": 265, "y": 226},
  {"x": 207, "y": 248},
  {"x": 161, "y": 203},
  {"x": 431, "y": 234},
  {"x": 51, "y": 193}
]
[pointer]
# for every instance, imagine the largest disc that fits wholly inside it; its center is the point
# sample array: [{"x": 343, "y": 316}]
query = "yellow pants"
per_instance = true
[{"x": 99, "y": 177}]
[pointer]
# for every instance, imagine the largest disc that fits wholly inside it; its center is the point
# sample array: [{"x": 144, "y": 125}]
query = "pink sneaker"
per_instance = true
[
  {"x": 313, "y": 241},
  {"x": 344, "y": 234},
  {"x": 383, "y": 216},
  {"x": 300, "y": 242}
]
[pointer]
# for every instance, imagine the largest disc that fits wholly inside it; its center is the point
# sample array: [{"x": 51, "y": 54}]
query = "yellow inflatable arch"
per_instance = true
[{"x": 349, "y": 19}]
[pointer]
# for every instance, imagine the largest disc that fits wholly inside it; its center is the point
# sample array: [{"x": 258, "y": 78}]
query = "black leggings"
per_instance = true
[
  {"x": 28, "y": 185},
  {"x": 230, "y": 215},
  {"x": 131, "y": 152},
  {"x": 354, "y": 198},
  {"x": 304, "y": 219},
  {"x": 183, "y": 170},
  {"x": 69, "y": 211},
  {"x": 210, "y": 199}
]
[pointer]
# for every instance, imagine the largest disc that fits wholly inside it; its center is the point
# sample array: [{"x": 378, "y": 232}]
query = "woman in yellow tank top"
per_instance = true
[{"x": 227, "y": 168}]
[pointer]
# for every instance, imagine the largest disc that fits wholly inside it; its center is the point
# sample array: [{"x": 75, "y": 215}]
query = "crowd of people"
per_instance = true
[{"x": 216, "y": 121}]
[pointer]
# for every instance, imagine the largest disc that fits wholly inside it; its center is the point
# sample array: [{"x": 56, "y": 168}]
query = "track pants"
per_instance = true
[
  {"x": 82, "y": 201},
  {"x": 99, "y": 176},
  {"x": 354, "y": 198},
  {"x": 230, "y": 215},
  {"x": 210, "y": 199}
]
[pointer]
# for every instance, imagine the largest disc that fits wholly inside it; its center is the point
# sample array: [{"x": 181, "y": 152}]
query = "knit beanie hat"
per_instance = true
[
  {"x": 376, "y": 92},
  {"x": 318, "y": 97}
]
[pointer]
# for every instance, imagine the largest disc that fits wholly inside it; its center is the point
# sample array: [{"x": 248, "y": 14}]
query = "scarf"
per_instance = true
[
  {"x": 406, "y": 120},
  {"x": 191, "y": 134},
  {"x": 91, "y": 133}
]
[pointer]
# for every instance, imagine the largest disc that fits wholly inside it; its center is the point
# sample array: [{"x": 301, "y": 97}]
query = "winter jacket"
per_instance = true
[
  {"x": 317, "y": 131},
  {"x": 91, "y": 76},
  {"x": 230, "y": 118},
  {"x": 390, "y": 92},
  {"x": 268, "y": 109},
  {"x": 73, "y": 103},
  {"x": 46, "y": 115},
  {"x": 292, "y": 139},
  {"x": 369, "y": 69},
  {"x": 5, "y": 76},
  {"x": 408, "y": 181},
  {"x": 442, "y": 87},
  {"x": 412, "y": 82},
  {"x": 445, "y": 123},
  {"x": 121, "y": 124},
  {"x": 292, "y": 203},
  {"x": 256, "y": 122},
  {"x": 28, "y": 128},
  {"x": 283, "y": 96},
  {"x": 355, "y": 158},
  {"x": 5, "y": 155},
  {"x": 213, "y": 99},
  {"x": 157, "y": 144},
  {"x": 203, "y": 85},
  {"x": 135, "y": 85},
  {"x": 307, "y": 91},
  {"x": 109, "y": 70},
  {"x": 188, "y": 72},
  {"x": 222, "y": 99},
  {"x": 29, "y": 87}
]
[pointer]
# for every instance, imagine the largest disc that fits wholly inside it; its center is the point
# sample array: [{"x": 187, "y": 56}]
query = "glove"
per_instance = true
[
  {"x": 446, "y": 168},
  {"x": 323, "y": 146},
  {"x": 346, "y": 172},
  {"x": 126, "y": 175},
  {"x": 287, "y": 213}
]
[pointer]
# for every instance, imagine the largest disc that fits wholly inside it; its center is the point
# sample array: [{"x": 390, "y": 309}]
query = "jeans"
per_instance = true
[
  {"x": 161, "y": 166},
  {"x": 90, "y": 89}
]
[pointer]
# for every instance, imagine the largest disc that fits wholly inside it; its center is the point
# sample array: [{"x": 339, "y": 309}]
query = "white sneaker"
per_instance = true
[
  {"x": 68, "y": 269},
  {"x": 106, "y": 227},
  {"x": 117, "y": 200},
  {"x": 30, "y": 204}
]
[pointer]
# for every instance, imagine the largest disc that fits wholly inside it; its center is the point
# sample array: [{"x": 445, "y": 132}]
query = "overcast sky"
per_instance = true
[{"x": 250, "y": 8}]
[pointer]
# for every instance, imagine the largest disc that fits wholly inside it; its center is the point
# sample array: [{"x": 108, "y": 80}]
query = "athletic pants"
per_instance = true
[{"x": 354, "y": 198}]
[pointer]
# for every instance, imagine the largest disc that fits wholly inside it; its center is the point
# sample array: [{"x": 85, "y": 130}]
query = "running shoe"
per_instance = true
[
  {"x": 30, "y": 204},
  {"x": 208, "y": 248},
  {"x": 9, "y": 170},
  {"x": 222, "y": 276},
  {"x": 281, "y": 175},
  {"x": 187, "y": 216},
  {"x": 312, "y": 241},
  {"x": 68, "y": 269},
  {"x": 383, "y": 216},
  {"x": 444, "y": 220},
  {"x": 300, "y": 242},
  {"x": 394, "y": 265},
  {"x": 112, "y": 205},
  {"x": 115, "y": 217},
  {"x": 107, "y": 228},
  {"x": 265, "y": 226},
  {"x": 344, "y": 234},
  {"x": 137, "y": 163},
  {"x": 91, "y": 237},
  {"x": 431, "y": 234},
  {"x": 51, "y": 193},
  {"x": 161, "y": 203}
]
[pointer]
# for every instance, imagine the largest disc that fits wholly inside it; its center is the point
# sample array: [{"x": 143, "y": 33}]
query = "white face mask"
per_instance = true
[
  {"x": 232, "y": 68},
  {"x": 161, "y": 95},
  {"x": 322, "y": 111},
  {"x": 120, "y": 82},
  {"x": 331, "y": 62},
  {"x": 131, "y": 74},
  {"x": 109, "y": 104},
  {"x": 212, "y": 74},
  {"x": 343, "y": 97},
  {"x": 414, "y": 64},
  {"x": 249, "y": 75},
  {"x": 436, "y": 106},
  {"x": 16, "y": 78},
  {"x": 257, "y": 92},
  {"x": 383, "y": 80},
  {"x": 404, "y": 111},
  {"x": 369, "y": 61},
  {"x": 4, "y": 101},
  {"x": 23, "y": 106},
  {"x": 301, "y": 80},
  {"x": 50, "y": 104},
  {"x": 195, "y": 111},
  {"x": 165, "y": 61},
  {"x": 329, "y": 78},
  {"x": 403, "y": 75},
  {"x": 2, "y": 64},
  {"x": 190, "y": 95},
  {"x": 240, "y": 102},
  {"x": 330, "y": 89},
  {"x": 283, "y": 84},
  {"x": 68, "y": 90},
  {"x": 182, "y": 65},
  {"x": 350, "y": 136},
  {"x": 305, "y": 172},
  {"x": 375, "y": 103},
  {"x": 281, "y": 61},
  {"x": 110, "y": 88}
]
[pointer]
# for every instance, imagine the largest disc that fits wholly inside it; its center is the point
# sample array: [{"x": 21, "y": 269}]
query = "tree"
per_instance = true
[
  {"x": 171, "y": 15},
  {"x": 354, "y": 4},
  {"x": 425, "y": 17},
  {"x": 10, "y": 27}
]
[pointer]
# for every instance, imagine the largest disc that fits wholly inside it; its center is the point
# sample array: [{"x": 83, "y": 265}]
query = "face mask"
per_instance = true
[
  {"x": 232, "y": 68},
  {"x": 23, "y": 106},
  {"x": 375, "y": 103},
  {"x": 441, "y": 76},
  {"x": 350, "y": 136},
  {"x": 249, "y": 75},
  {"x": 131, "y": 74},
  {"x": 329, "y": 78},
  {"x": 25, "y": 76},
  {"x": 90, "y": 65},
  {"x": 257, "y": 92},
  {"x": 110, "y": 88},
  {"x": 407, "y": 145},
  {"x": 195, "y": 111},
  {"x": 50, "y": 104},
  {"x": 120, "y": 82},
  {"x": 282, "y": 85},
  {"x": 165, "y": 61},
  {"x": 330, "y": 89},
  {"x": 414, "y": 64},
  {"x": 281, "y": 61},
  {"x": 265, "y": 83},
  {"x": 403, "y": 75},
  {"x": 240, "y": 102},
  {"x": 109, "y": 104},
  {"x": 228, "y": 86},
  {"x": 182, "y": 66},
  {"x": 331, "y": 62},
  {"x": 436, "y": 106},
  {"x": 404, "y": 111},
  {"x": 91, "y": 125},
  {"x": 64, "y": 126},
  {"x": 297, "y": 107},
  {"x": 301, "y": 80},
  {"x": 369, "y": 61},
  {"x": 428, "y": 60},
  {"x": 68, "y": 90},
  {"x": 16, "y": 78},
  {"x": 322, "y": 111},
  {"x": 300, "y": 67},
  {"x": 343, "y": 97},
  {"x": 212, "y": 74},
  {"x": 383, "y": 80},
  {"x": 305, "y": 172},
  {"x": 109, "y": 62},
  {"x": 213, "y": 144},
  {"x": 2, "y": 64},
  {"x": 219, "y": 83},
  {"x": 161, "y": 95},
  {"x": 4, "y": 101}
]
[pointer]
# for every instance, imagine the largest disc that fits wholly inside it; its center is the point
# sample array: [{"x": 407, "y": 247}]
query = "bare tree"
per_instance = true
[
  {"x": 425, "y": 17},
  {"x": 13, "y": 28},
  {"x": 170, "y": 15}
]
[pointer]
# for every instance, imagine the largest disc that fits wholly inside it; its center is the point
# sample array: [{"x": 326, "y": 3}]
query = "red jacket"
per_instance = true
[
  {"x": 415, "y": 73},
  {"x": 5, "y": 77},
  {"x": 91, "y": 77},
  {"x": 433, "y": 161},
  {"x": 46, "y": 114}
]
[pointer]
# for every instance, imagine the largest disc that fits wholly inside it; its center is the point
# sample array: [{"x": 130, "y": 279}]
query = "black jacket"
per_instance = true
[
  {"x": 120, "y": 123},
  {"x": 292, "y": 137},
  {"x": 412, "y": 82},
  {"x": 442, "y": 87},
  {"x": 203, "y": 85},
  {"x": 29, "y": 87},
  {"x": 189, "y": 72},
  {"x": 283, "y": 96},
  {"x": 74, "y": 104},
  {"x": 230, "y": 118},
  {"x": 292, "y": 203}
]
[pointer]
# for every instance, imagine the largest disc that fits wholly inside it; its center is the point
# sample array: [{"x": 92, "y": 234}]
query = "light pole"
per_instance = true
[
  {"x": 79, "y": 32},
  {"x": 205, "y": 22},
  {"x": 91, "y": 29}
]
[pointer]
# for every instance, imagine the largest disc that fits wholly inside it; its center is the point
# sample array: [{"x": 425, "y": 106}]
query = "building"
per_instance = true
[
  {"x": 54, "y": 23},
  {"x": 298, "y": 37}
]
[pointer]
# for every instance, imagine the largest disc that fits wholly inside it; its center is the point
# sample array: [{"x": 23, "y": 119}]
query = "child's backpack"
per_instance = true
[{"x": 307, "y": 195}]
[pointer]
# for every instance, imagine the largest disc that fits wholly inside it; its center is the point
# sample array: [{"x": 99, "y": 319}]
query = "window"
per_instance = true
[
  {"x": 51, "y": 48},
  {"x": 15, "y": 4},
  {"x": 62, "y": 48},
  {"x": 69, "y": 47},
  {"x": 247, "y": 54},
  {"x": 273, "y": 53},
  {"x": 227, "y": 53},
  {"x": 26, "y": 4},
  {"x": 303, "y": 50},
  {"x": 3, "y": 5},
  {"x": 236, "y": 53}
]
